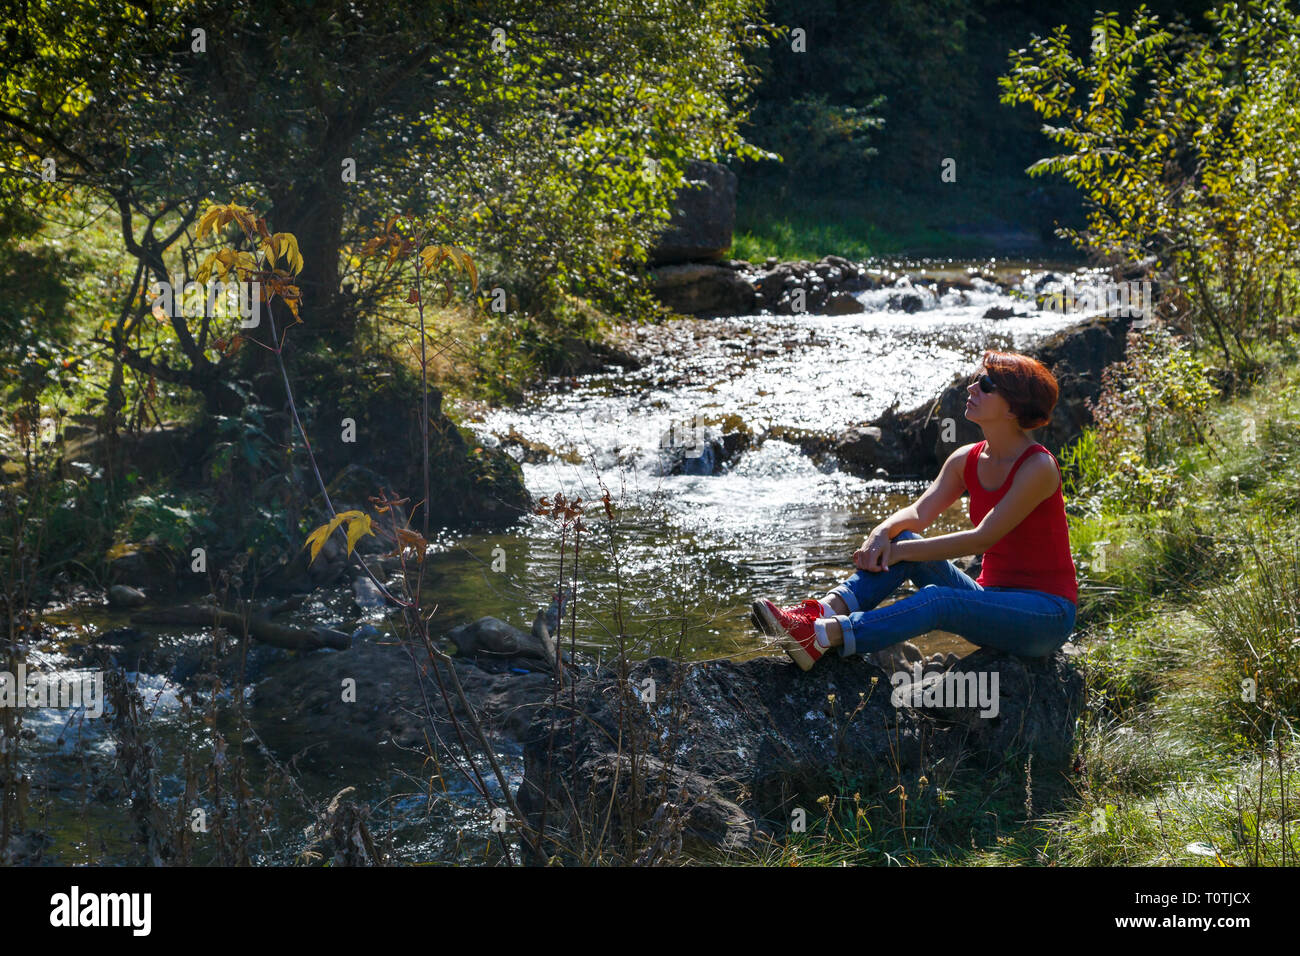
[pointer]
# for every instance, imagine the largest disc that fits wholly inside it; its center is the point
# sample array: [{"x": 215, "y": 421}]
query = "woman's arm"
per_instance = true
[
  {"x": 1036, "y": 480},
  {"x": 919, "y": 515}
]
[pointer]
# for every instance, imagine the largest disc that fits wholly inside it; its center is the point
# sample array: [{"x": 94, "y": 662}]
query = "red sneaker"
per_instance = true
[{"x": 794, "y": 626}]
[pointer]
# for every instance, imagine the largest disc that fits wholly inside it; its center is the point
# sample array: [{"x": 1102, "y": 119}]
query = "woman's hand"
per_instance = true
[{"x": 875, "y": 553}]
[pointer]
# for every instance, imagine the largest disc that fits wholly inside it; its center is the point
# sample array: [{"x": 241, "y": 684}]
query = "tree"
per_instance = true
[
  {"x": 549, "y": 137},
  {"x": 1198, "y": 173}
]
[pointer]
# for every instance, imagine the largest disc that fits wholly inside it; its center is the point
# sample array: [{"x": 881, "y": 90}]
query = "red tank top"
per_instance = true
[{"x": 1035, "y": 554}]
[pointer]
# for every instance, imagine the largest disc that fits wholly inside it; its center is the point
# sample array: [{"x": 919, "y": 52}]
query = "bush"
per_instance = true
[
  {"x": 1196, "y": 175},
  {"x": 1152, "y": 404},
  {"x": 819, "y": 141},
  {"x": 170, "y": 518}
]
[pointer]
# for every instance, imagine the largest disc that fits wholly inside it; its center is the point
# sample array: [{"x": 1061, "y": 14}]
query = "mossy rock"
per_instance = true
[{"x": 371, "y": 417}]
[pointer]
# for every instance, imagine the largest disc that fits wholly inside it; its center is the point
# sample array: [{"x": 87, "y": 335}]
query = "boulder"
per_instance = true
[
  {"x": 170, "y": 449},
  {"x": 696, "y": 448},
  {"x": 473, "y": 485},
  {"x": 146, "y": 566},
  {"x": 122, "y": 595},
  {"x": 907, "y": 301},
  {"x": 703, "y": 289},
  {"x": 299, "y": 704},
  {"x": 491, "y": 637},
  {"x": 739, "y": 287},
  {"x": 912, "y": 444},
  {"x": 842, "y": 303},
  {"x": 703, "y": 216},
  {"x": 735, "y": 747}
]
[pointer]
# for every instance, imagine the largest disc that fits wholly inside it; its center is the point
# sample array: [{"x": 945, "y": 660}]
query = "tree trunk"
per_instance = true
[{"x": 314, "y": 214}]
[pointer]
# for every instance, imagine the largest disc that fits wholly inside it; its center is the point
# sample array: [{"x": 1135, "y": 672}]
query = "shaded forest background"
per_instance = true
[{"x": 885, "y": 92}]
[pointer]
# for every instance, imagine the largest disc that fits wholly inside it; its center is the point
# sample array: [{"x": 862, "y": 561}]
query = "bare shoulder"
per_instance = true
[
  {"x": 956, "y": 463},
  {"x": 961, "y": 453},
  {"x": 1040, "y": 468}
]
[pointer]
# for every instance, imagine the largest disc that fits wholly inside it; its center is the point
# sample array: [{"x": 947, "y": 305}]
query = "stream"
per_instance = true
[{"x": 693, "y": 550}]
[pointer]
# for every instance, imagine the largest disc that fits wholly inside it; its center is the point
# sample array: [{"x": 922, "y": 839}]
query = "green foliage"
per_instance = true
[
  {"x": 242, "y": 440},
  {"x": 817, "y": 140},
  {"x": 171, "y": 518},
  {"x": 36, "y": 327},
  {"x": 1152, "y": 404},
  {"x": 547, "y": 138},
  {"x": 826, "y": 110},
  {"x": 1184, "y": 147}
]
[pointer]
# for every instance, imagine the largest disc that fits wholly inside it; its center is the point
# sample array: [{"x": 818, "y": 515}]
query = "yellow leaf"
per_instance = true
[
  {"x": 318, "y": 537},
  {"x": 286, "y": 244},
  {"x": 472, "y": 270},
  {"x": 245, "y": 219},
  {"x": 209, "y": 220},
  {"x": 356, "y": 528}
]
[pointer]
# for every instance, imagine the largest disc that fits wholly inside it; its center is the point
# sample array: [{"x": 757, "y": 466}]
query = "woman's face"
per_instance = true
[{"x": 984, "y": 406}]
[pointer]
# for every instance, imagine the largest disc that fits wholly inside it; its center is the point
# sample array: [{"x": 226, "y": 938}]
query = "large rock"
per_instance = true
[
  {"x": 703, "y": 216},
  {"x": 915, "y": 443},
  {"x": 472, "y": 485},
  {"x": 703, "y": 289},
  {"x": 700, "y": 448},
  {"x": 149, "y": 566},
  {"x": 301, "y": 702},
  {"x": 734, "y": 748},
  {"x": 737, "y": 287},
  {"x": 172, "y": 450}
]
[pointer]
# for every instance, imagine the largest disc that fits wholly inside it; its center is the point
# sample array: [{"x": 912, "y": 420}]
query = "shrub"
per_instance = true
[{"x": 1152, "y": 404}]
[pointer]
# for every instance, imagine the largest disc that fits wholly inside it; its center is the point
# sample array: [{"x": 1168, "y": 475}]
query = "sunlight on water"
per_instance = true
[{"x": 696, "y": 549}]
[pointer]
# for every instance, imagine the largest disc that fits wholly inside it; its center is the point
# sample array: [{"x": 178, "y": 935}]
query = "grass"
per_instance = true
[
  {"x": 877, "y": 220},
  {"x": 1191, "y": 601}
]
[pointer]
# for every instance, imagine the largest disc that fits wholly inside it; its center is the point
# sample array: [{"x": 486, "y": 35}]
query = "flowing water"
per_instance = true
[
  {"x": 696, "y": 549},
  {"x": 678, "y": 566}
]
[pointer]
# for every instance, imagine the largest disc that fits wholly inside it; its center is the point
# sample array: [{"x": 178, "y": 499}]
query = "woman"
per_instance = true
[{"x": 1025, "y": 597}]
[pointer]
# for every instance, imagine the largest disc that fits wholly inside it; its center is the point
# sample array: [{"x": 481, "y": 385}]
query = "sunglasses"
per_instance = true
[{"x": 986, "y": 384}]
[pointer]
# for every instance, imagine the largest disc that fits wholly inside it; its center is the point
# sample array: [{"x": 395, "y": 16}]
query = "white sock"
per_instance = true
[
  {"x": 827, "y": 610},
  {"x": 819, "y": 628}
]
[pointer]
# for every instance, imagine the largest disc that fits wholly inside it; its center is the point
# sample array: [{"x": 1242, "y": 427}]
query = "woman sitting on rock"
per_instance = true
[{"x": 1025, "y": 597}]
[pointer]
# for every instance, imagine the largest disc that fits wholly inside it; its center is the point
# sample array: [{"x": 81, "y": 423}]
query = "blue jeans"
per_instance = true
[{"x": 1016, "y": 620}]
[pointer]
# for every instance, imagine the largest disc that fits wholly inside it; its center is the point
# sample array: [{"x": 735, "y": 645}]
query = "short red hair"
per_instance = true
[{"x": 1025, "y": 383}]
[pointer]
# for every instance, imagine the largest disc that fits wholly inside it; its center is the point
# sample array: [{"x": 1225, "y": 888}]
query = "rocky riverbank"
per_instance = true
[
  {"x": 716, "y": 754},
  {"x": 911, "y": 444},
  {"x": 826, "y": 287}
]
